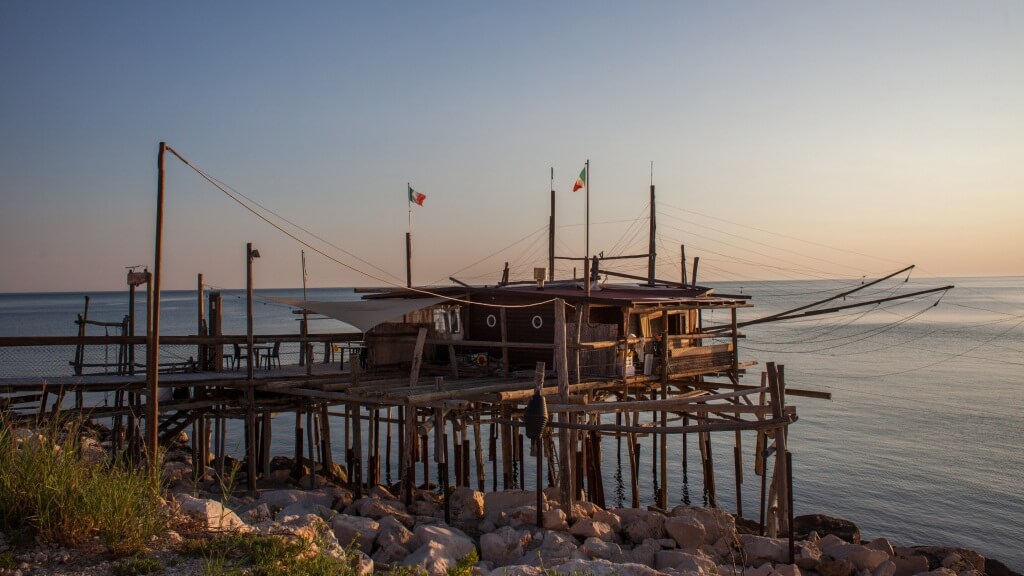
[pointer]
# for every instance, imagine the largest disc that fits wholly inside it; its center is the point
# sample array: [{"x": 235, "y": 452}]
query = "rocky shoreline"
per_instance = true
[{"x": 379, "y": 533}]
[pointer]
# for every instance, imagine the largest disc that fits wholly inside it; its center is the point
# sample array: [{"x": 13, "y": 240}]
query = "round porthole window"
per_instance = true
[
  {"x": 537, "y": 322},
  {"x": 491, "y": 321}
]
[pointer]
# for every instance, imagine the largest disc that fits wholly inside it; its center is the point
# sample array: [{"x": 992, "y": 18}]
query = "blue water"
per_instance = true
[{"x": 921, "y": 441}]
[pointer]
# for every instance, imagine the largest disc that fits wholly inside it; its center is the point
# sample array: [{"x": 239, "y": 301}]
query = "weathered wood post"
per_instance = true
[{"x": 566, "y": 471}]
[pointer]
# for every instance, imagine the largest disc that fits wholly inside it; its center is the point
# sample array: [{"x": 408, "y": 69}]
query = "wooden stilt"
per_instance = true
[
  {"x": 265, "y": 444},
  {"x": 480, "y": 476},
  {"x": 326, "y": 456},
  {"x": 356, "y": 474}
]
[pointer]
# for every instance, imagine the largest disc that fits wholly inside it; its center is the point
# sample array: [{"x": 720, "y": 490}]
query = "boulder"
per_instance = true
[
  {"x": 910, "y": 565},
  {"x": 597, "y": 548},
  {"x": 835, "y": 568},
  {"x": 639, "y": 525},
  {"x": 394, "y": 533},
  {"x": 554, "y": 519},
  {"x": 498, "y": 503},
  {"x": 524, "y": 515},
  {"x": 433, "y": 558},
  {"x": 760, "y": 549},
  {"x": 787, "y": 570},
  {"x": 887, "y": 568},
  {"x": 501, "y": 546},
  {"x": 453, "y": 540},
  {"x": 822, "y": 524},
  {"x": 881, "y": 544},
  {"x": 390, "y": 553},
  {"x": 716, "y": 522},
  {"x": 644, "y": 553},
  {"x": 609, "y": 518},
  {"x": 687, "y": 531},
  {"x": 588, "y": 528},
  {"x": 604, "y": 568},
  {"x": 684, "y": 561},
  {"x": 211, "y": 514},
  {"x": 518, "y": 570},
  {"x": 356, "y": 530},
  {"x": 467, "y": 504},
  {"x": 376, "y": 508}
]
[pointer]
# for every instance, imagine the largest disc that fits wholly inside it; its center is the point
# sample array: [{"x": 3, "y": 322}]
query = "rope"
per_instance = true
[{"x": 232, "y": 195}]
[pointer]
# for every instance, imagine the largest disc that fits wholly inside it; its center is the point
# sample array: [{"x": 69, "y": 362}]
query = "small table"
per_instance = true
[{"x": 257, "y": 349}]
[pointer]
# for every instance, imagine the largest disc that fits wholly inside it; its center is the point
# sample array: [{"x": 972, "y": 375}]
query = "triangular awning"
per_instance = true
[{"x": 363, "y": 314}]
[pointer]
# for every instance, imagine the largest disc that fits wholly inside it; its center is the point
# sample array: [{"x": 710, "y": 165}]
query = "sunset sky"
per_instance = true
[{"x": 789, "y": 140}]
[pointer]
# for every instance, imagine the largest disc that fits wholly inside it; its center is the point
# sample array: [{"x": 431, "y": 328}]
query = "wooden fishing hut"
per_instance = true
[{"x": 630, "y": 362}]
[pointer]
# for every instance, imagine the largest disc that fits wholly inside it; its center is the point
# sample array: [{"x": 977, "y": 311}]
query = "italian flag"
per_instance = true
[
  {"x": 416, "y": 197},
  {"x": 581, "y": 180}
]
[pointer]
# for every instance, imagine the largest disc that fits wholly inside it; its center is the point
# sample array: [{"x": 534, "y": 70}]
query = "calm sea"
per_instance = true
[{"x": 921, "y": 442}]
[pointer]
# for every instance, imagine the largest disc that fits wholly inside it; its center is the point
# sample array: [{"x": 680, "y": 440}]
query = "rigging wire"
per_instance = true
[{"x": 223, "y": 189}]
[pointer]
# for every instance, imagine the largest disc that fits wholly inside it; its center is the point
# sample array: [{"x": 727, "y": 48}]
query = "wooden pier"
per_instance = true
[{"x": 425, "y": 405}]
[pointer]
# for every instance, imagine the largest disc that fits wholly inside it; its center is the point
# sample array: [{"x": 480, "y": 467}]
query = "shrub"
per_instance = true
[{"x": 47, "y": 490}]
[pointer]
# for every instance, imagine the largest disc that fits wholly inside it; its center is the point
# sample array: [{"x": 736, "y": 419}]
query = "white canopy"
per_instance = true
[{"x": 363, "y": 314}]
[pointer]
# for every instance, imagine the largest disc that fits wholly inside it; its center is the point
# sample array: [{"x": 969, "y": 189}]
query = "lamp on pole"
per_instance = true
[{"x": 250, "y": 416}]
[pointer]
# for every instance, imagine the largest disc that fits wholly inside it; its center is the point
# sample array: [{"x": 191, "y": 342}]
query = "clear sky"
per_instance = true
[{"x": 788, "y": 139}]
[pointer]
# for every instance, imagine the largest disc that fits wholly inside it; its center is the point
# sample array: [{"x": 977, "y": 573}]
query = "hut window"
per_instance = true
[
  {"x": 454, "y": 321},
  {"x": 537, "y": 322},
  {"x": 447, "y": 320}
]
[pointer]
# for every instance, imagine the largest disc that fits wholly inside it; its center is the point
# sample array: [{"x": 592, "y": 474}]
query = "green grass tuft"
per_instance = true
[{"x": 49, "y": 491}]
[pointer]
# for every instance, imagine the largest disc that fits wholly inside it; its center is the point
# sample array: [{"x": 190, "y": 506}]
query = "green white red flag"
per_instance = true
[
  {"x": 581, "y": 181},
  {"x": 415, "y": 197}
]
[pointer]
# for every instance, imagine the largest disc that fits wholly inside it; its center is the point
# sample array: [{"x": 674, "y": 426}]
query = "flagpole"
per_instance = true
[
  {"x": 586, "y": 264},
  {"x": 408, "y": 241}
]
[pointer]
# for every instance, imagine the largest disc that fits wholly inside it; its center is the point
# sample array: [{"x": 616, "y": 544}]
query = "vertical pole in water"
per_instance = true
[
  {"x": 408, "y": 259},
  {"x": 682, "y": 262},
  {"x": 565, "y": 467},
  {"x": 551, "y": 231},
  {"x": 250, "y": 392},
  {"x": 651, "y": 248},
  {"x": 153, "y": 340}
]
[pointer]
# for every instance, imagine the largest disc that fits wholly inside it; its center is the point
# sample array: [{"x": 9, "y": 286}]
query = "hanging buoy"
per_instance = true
[{"x": 535, "y": 418}]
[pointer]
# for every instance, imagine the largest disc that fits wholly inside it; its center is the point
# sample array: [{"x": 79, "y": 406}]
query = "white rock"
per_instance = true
[
  {"x": 787, "y": 570},
  {"x": 364, "y": 564},
  {"x": 645, "y": 553},
  {"x": 355, "y": 529},
  {"x": 501, "y": 546},
  {"x": 588, "y": 528},
  {"x": 887, "y": 568},
  {"x": 376, "y": 508},
  {"x": 687, "y": 531},
  {"x": 211, "y": 513},
  {"x": 454, "y": 541},
  {"x": 433, "y": 558},
  {"x": 496, "y": 503},
  {"x": 555, "y": 519},
  {"x": 467, "y": 504},
  {"x": 717, "y": 523},
  {"x": 639, "y": 525},
  {"x": 523, "y": 515},
  {"x": 518, "y": 570},
  {"x": 597, "y": 548},
  {"x": 864, "y": 558},
  {"x": 390, "y": 553},
  {"x": 881, "y": 544},
  {"x": 393, "y": 532},
  {"x": 604, "y": 568},
  {"x": 759, "y": 549},
  {"x": 610, "y": 519}
]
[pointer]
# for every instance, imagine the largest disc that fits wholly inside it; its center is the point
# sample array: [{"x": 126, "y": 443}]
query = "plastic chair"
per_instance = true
[
  {"x": 274, "y": 356},
  {"x": 237, "y": 358}
]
